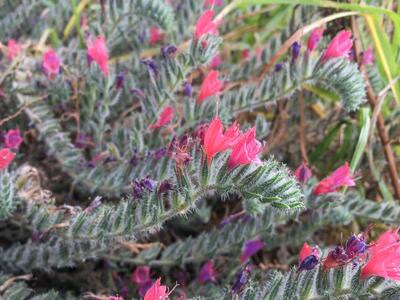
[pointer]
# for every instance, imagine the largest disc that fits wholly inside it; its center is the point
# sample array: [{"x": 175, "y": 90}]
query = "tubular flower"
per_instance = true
[
  {"x": 251, "y": 248},
  {"x": 157, "y": 291},
  {"x": 211, "y": 86},
  {"x": 207, "y": 273},
  {"x": 384, "y": 257},
  {"x": 6, "y": 157},
  {"x": 215, "y": 140},
  {"x": 339, "y": 178},
  {"x": 368, "y": 57},
  {"x": 141, "y": 275},
  {"x": 51, "y": 63},
  {"x": 14, "y": 49},
  {"x": 303, "y": 173},
  {"x": 308, "y": 257},
  {"x": 166, "y": 117},
  {"x": 13, "y": 139},
  {"x": 340, "y": 46},
  {"x": 314, "y": 39},
  {"x": 206, "y": 25},
  {"x": 246, "y": 150},
  {"x": 97, "y": 51},
  {"x": 155, "y": 35}
]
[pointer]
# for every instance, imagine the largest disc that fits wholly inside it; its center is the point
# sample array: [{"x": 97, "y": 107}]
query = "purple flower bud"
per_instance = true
[
  {"x": 251, "y": 248},
  {"x": 188, "y": 89},
  {"x": 160, "y": 153},
  {"x": 303, "y": 173},
  {"x": 241, "y": 279},
  {"x": 278, "y": 67},
  {"x": 141, "y": 275},
  {"x": 165, "y": 187},
  {"x": 168, "y": 51},
  {"x": 295, "y": 50},
  {"x": 82, "y": 141},
  {"x": 309, "y": 263},
  {"x": 119, "y": 81},
  {"x": 148, "y": 184},
  {"x": 207, "y": 273},
  {"x": 355, "y": 246},
  {"x": 151, "y": 66}
]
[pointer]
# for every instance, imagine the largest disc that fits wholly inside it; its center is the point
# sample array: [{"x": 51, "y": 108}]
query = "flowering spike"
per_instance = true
[
  {"x": 166, "y": 117},
  {"x": 207, "y": 273},
  {"x": 385, "y": 257},
  {"x": 97, "y": 51},
  {"x": 339, "y": 46},
  {"x": 314, "y": 39},
  {"x": 14, "y": 49},
  {"x": 339, "y": 178},
  {"x": 206, "y": 25},
  {"x": 246, "y": 150},
  {"x": 157, "y": 291},
  {"x": 6, "y": 157},
  {"x": 216, "y": 141},
  {"x": 51, "y": 63},
  {"x": 251, "y": 248},
  {"x": 210, "y": 87},
  {"x": 303, "y": 173},
  {"x": 13, "y": 139}
]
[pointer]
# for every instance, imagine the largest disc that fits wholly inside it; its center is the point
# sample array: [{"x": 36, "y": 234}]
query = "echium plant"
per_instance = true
[{"x": 134, "y": 160}]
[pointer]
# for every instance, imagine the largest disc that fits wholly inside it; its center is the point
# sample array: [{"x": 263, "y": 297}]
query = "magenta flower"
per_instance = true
[
  {"x": 155, "y": 35},
  {"x": 303, "y": 173},
  {"x": 211, "y": 86},
  {"x": 339, "y": 178},
  {"x": 206, "y": 25},
  {"x": 368, "y": 57},
  {"x": 157, "y": 291},
  {"x": 216, "y": 61},
  {"x": 14, "y": 49},
  {"x": 216, "y": 141},
  {"x": 97, "y": 51},
  {"x": 340, "y": 46},
  {"x": 246, "y": 150},
  {"x": 207, "y": 273},
  {"x": 384, "y": 258},
  {"x": 141, "y": 275},
  {"x": 6, "y": 157},
  {"x": 13, "y": 139},
  {"x": 51, "y": 63},
  {"x": 314, "y": 39},
  {"x": 251, "y": 248},
  {"x": 166, "y": 117},
  {"x": 245, "y": 55}
]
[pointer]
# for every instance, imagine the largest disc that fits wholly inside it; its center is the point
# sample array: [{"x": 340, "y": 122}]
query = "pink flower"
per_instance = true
[
  {"x": 339, "y": 178},
  {"x": 340, "y": 46},
  {"x": 315, "y": 37},
  {"x": 211, "y": 86},
  {"x": 215, "y": 140},
  {"x": 166, "y": 116},
  {"x": 157, "y": 291},
  {"x": 97, "y": 51},
  {"x": 245, "y": 54},
  {"x": 308, "y": 258},
  {"x": 216, "y": 61},
  {"x": 368, "y": 57},
  {"x": 6, "y": 157},
  {"x": 303, "y": 173},
  {"x": 155, "y": 35},
  {"x": 245, "y": 150},
  {"x": 305, "y": 251},
  {"x": 207, "y": 273},
  {"x": 14, "y": 49},
  {"x": 384, "y": 258},
  {"x": 51, "y": 63},
  {"x": 13, "y": 139},
  {"x": 213, "y": 2},
  {"x": 206, "y": 25},
  {"x": 251, "y": 248},
  {"x": 141, "y": 275}
]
